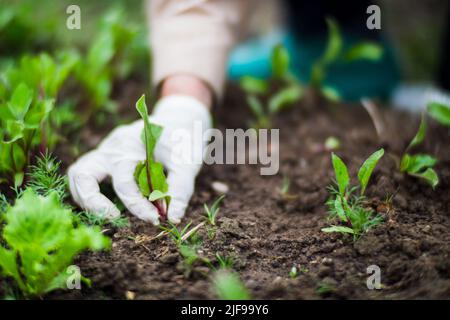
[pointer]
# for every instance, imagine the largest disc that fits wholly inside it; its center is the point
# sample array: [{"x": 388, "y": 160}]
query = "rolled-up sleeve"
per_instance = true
[{"x": 194, "y": 37}]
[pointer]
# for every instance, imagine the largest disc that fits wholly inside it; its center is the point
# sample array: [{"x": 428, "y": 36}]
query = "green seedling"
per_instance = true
[
  {"x": 92, "y": 219},
  {"x": 335, "y": 52},
  {"x": 439, "y": 112},
  {"x": 284, "y": 190},
  {"x": 149, "y": 174},
  {"x": 225, "y": 262},
  {"x": 190, "y": 257},
  {"x": 293, "y": 272},
  {"x": 44, "y": 177},
  {"x": 179, "y": 236},
  {"x": 346, "y": 205},
  {"x": 265, "y": 105},
  {"x": 324, "y": 288},
  {"x": 211, "y": 213},
  {"x": 419, "y": 165},
  {"x": 40, "y": 241},
  {"x": 228, "y": 286}
]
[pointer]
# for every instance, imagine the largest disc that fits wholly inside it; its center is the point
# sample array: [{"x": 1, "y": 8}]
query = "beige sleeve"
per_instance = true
[{"x": 194, "y": 37}]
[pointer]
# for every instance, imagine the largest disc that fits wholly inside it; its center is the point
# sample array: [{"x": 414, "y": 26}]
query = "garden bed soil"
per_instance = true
[{"x": 268, "y": 235}]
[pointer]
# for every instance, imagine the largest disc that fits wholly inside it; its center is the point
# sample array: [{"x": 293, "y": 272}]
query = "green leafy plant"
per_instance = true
[
  {"x": 335, "y": 52},
  {"x": 228, "y": 286},
  {"x": 108, "y": 59},
  {"x": 439, "y": 112},
  {"x": 211, "y": 213},
  {"x": 191, "y": 256},
  {"x": 345, "y": 204},
  {"x": 149, "y": 174},
  {"x": 419, "y": 165},
  {"x": 257, "y": 90},
  {"x": 41, "y": 241}
]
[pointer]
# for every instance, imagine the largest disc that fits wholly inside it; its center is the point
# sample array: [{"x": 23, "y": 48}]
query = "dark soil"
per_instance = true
[{"x": 268, "y": 235}]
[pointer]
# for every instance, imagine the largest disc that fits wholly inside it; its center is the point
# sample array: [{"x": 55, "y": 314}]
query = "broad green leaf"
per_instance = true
[
  {"x": 334, "y": 44},
  {"x": 364, "y": 51},
  {"x": 141, "y": 174},
  {"x": 429, "y": 176},
  {"x": 417, "y": 163},
  {"x": 440, "y": 113},
  {"x": 156, "y": 195},
  {"x": 341, "y": 172},
  {"x": 158, "y": 177},
  {"x": 38, "y": 113},
  {"x": 340, "y": 229},
  {"x": 285, "y": 98},
  {"x": 253, "y": 85},
  {"x": 20, "y": 101},
  {"x": 15, "y": 130},
  {"x": 255, "y": 106},
  {"x": 280, "y": 61},
  {"x": 420, "y": 135},
  {"x": 365, "y": 172}
]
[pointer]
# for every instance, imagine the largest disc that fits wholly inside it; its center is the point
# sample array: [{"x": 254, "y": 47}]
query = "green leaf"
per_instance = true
[
  {"x": 228, "y": 286},
  {"x": 158, "y": 177},
  {"x": 420, "y": 135},
  {"x": 439, "y": 112},
  {"x": 156, "y": 195},
  {"x": 334, "y": 44},
  {"x": 140, "y": 175},
  {"x": 284, "y": 98},
  {"x": 340, "y": 209},
  {"x": 417, "y": 163},
  {"x": 429, "y": 176},
  {"x": 255, "y": 106},
  {"x": 253, "y": 85},
  {"x": 365, "y": 172},
  {"x": 331, "y": 94},
  {"x": 280, "y": 61},
  {"x": 364, "y": 51},
  {"x": 340, "y": 229},
  {"x": 152, "y": 132},
  {"x": 341, "y": 172},
  {"x": 20, "y": 101}
]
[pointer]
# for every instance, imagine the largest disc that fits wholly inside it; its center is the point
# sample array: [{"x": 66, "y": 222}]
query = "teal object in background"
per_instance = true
[{"x": 352, "y": 80}]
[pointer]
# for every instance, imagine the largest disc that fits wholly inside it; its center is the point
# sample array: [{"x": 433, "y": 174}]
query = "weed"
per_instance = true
[
  {"x": 211, "y": 213},
  {"x": 439, "y": 112},
  {"x": 44, "y": 177},
  {"x": 346, "y": 205},
  {"x": 225, "y": 262},
  {"x": 178, "y": 235},
  {"x": 92, "y": 219},
  {"x": 293, "y": 272}
]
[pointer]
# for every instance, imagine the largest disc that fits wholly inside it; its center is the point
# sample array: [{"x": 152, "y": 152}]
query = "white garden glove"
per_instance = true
[{"x": 120, "y": 152}]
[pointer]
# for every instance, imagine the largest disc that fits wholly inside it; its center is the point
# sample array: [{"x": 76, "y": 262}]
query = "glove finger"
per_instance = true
[
  {"x": 84, "y": 178},
  {"x": 181, "y": 188},
  {"x": 127, "y": 190}
]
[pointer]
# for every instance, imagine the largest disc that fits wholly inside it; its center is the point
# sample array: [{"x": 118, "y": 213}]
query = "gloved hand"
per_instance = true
[{"x": 120, "y": 152}]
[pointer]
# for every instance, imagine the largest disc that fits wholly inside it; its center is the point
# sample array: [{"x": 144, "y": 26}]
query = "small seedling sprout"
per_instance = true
[
  {"x": 211, "y": 213},
  {"x": 345, "y": 205},
  {"x": 293, "y": 272}
]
